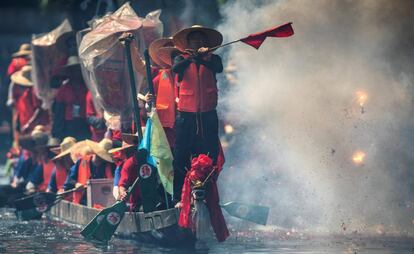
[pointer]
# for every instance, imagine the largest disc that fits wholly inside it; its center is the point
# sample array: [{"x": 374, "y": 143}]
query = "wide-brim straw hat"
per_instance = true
[
  {"x": 24, "y": 50},
  {"x": 79, "y": 150},
  {"x": 53, "y": 142},
  {"x": 125, "y": 146},
  {"x": 37, "y": 138},
  {"x": 23, "y": 77},
  {"x": 64, "y": 148},
  {"x": 101, "y": 149},
  {"x": 155, "y": 46},
  {"x": 165, "y": 54},
  {"x": 214, "y": 37},
  {"x": 129, "y": 138},
  {"x": 72, "y": 63}
]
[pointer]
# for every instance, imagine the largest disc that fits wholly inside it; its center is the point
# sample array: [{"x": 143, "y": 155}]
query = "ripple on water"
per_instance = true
[{"x": 45, "y": 236}]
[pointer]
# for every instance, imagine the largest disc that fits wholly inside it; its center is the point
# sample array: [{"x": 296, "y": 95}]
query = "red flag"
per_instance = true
[{"x": 256, "y": 40}]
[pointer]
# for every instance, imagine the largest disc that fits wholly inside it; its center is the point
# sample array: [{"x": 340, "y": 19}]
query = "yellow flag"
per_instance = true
[{"x": 160, "y": 150}]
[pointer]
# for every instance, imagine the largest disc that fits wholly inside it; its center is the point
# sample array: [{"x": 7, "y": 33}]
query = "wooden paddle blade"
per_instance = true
[
  {"x": 105, "y": 223},
  {"x": 90, "y": 228},
  {"x": 38, "y": 201},
  {"x": 254, "y": 213},
  {"x": 109, "y": 223},
  {"x": 35, "y": 212}
]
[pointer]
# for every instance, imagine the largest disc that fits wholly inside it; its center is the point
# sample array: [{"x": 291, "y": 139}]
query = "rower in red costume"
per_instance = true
[
  {"x": 69, "y": 107},
  {"x": 20, "y": 59},
  {"x": 29, "y": 112},
  {"x": 63, "y": 163},
  {"x": 129, "y": 173},
  {"x": 164, "y": 85},
  {"x": 95, "y": 163},
  {"x": 121, "y": 155},
  {"x": 42, "y": 168}
]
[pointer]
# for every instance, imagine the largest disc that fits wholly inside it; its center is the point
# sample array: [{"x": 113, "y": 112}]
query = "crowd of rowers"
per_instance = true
[{"x": 62, "y": 148}]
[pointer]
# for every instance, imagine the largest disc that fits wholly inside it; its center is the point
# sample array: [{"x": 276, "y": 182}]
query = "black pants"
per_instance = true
[{"x": 196, "y": 133}]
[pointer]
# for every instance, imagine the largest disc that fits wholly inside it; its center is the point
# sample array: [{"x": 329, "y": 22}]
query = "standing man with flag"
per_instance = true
[{"x": 196, "y": 121}]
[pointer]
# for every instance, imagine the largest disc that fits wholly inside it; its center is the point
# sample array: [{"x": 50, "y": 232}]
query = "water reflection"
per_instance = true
[{"x": 46, "y": 236}]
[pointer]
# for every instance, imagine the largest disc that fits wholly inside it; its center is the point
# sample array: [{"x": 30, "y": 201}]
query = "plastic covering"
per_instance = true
[
  {"x": 104, "y": 62},
  {"x": 47, "y": 61}
]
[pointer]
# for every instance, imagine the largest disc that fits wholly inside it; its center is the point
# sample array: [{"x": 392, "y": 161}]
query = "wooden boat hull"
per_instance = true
[{"x": 159, "y": 227}]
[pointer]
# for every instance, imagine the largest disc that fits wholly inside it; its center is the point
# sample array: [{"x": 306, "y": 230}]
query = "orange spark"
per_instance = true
[
  {"x": 361, "y": 97},
  {"x": 358, "y": 157}
]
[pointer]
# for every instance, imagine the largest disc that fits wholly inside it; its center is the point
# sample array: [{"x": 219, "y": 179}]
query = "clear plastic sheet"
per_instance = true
[
  {"x": 47, "y": 61},
  {"x": 104, "y": 62}
]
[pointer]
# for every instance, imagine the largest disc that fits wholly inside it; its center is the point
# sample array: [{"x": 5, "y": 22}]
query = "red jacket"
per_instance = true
[
  {"x": 165, "y": 102},
  {"x": 26, "y": 105},
  {"x": 198, "y": 89},
  {"x": 129, "y": 173},
  {"x": 16, "y": 64}
]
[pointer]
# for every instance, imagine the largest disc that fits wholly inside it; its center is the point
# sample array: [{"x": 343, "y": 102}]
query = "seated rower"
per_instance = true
[
  {"x": 120, "y": 155},
  {"x": 95, "y": 163},
  {"x": 41, "y": 170},
  {"x": 129, "y": 174},
  {"x": 63, "y": 163}
]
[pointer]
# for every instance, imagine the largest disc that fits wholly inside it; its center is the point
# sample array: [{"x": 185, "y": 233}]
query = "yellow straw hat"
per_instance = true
[
  {"x": 214, "y": 37},
  {"x": 64, "y": 148},
  {"x": 23, "y": 77},
  {"x": 165, "y": 54},
  {"x": 157, "y": 44},
  {"x": 24, "y": 50},
  {"x": 101, "y": 149}
]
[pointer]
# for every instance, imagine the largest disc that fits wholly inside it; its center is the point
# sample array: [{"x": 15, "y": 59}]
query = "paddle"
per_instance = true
[
  {"x": 33, "y": 206},
  {"x": 105, "y": 223},
  {"x": 254, "y": 213},
  {"x": 41, "y": 199}
]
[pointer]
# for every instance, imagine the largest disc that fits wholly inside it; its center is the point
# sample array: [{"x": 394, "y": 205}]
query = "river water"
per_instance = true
[{"x": 49, "y": 236}]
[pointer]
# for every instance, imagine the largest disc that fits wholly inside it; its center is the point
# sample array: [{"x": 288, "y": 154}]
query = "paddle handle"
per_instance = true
[
  {"x": 131, "y": 189},
  {"x": 149, "y": 76},
  {"x": 71, "y": 190},
  {"x": 127, "y": 41}
]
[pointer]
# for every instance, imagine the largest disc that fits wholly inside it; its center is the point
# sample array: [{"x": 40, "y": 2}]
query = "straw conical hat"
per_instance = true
[
  {"x": 165, "y": 54},
  {"x": 101, "y": 149},
  {"x": 214, "y": 37},
  {"x": 79, "y": 150},
  {"x": 124, "y": 147},
  {"x": 24, "y": 50},
  {"x": 65, "y": 147},
  {"x": 23, "y": 77},
  {"x": 157, "y": 44}
]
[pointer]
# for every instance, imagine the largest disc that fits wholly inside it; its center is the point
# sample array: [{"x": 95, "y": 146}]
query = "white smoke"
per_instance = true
[{"x": 299, "y": 120}]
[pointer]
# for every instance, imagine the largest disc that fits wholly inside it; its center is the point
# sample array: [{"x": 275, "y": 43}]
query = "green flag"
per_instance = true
[{"x": 160, "y": 150}]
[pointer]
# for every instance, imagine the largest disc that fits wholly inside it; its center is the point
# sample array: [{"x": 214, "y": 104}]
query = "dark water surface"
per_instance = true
[{"x": 48, "y": 236}]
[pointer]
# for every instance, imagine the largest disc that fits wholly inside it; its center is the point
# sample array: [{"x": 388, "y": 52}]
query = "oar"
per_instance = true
[
  {"x": 41, "y": 199},
  {"x": 254, "y": 213},
  {"x": 105, "y": 223},
  {"x": 34, "y": 206}
]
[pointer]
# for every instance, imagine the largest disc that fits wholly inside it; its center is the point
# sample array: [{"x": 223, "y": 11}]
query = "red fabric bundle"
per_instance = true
[{"x": 201, "y": 167}]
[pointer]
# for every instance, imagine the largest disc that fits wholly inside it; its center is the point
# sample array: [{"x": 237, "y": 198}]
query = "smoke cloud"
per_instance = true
[{"x": 297, "y": 110}]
